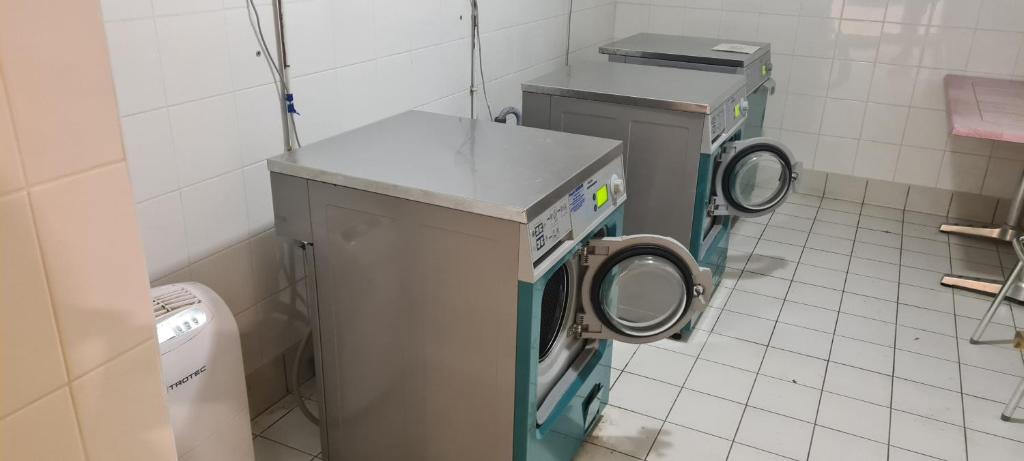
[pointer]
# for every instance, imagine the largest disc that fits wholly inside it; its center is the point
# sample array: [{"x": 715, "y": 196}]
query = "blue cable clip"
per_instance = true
[{"x": 290, "y": 99}]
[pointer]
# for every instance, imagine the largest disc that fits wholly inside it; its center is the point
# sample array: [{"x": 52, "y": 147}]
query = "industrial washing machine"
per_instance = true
[
  {"x": 688, "y": 170},
  {"x": 468, "y": 278},
  {"x": 752, "y": 60}
]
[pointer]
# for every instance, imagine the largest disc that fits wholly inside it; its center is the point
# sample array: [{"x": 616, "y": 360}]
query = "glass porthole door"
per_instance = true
[
  {"x": 755, "y": 177},
  {"x": 640, "y": 288}
]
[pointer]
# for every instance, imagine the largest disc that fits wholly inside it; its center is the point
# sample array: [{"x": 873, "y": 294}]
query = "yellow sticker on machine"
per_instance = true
[{"x": 737, "y": 111}]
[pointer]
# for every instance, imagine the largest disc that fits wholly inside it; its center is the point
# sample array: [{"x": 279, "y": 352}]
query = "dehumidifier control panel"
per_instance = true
[{"x": 180, "y": 324}]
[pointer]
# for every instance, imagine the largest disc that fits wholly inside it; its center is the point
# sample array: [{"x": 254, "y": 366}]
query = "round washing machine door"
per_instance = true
[
  {"x": 755, "y": 177},
  {"x": 640, "y": 288}
]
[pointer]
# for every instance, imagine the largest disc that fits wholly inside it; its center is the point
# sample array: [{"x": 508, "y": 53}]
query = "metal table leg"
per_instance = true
[{"x": 1006, "y": 232}]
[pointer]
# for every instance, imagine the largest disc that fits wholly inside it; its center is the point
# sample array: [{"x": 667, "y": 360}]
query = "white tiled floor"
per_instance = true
[
  {"x": 282, "y": 432},
  {"x": 830, "y": 339}
]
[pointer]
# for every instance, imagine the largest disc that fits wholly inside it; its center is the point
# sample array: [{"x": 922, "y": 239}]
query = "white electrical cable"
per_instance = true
[
  {"x": 483, "y": 80},
  {"x": 281, "y": 85},
  {"x": 277, "y": 73},
  {"x": 475, "y": 47},
  {"x": 568, "y": 35}
]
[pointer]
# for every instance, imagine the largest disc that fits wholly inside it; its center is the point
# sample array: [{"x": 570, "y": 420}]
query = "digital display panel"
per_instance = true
[{"x": 601, "y": 196}]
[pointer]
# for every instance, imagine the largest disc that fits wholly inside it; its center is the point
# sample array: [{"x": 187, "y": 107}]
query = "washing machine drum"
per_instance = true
[
  {"x": 554, "y": 304},
  {"x": 556, "y": 348}
]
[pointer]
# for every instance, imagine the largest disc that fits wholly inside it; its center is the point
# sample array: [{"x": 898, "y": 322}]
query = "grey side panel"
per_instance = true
[
  {"x": 662, "y": 150},
  {"x": 417, "y": 310},
  {"x": 536, "y": 110},
  {"x": 291, "y": 207}
]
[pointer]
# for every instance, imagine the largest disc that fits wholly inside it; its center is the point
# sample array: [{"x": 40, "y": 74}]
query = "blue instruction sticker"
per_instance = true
[{"x": 577, "y": 198}]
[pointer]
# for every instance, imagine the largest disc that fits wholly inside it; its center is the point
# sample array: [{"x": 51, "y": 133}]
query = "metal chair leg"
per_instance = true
[
  {"x": 1007, "y": 232},
  {"x": 1015, "y": 399},
  {"x": 1008, "y": 285},
  {"x": 1004, "y": 233},
  {"x": 1018, "y": 394},
  {"x": 991, "y": 312},
  {"x": 984, "y": 286}
]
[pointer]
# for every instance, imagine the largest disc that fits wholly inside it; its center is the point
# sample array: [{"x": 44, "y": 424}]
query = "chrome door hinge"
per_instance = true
[
  {"x": 576, "y": 330},
  {"x": 716, "y": 208}
]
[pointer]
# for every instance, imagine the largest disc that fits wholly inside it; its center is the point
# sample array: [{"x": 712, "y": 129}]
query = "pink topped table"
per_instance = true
[
  {"x": 990, "y": 108},
  {"x": 986, "y": 108}
]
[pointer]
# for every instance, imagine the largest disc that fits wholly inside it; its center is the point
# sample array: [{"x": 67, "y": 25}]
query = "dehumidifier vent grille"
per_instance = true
[{"x": 173, "y": 300}]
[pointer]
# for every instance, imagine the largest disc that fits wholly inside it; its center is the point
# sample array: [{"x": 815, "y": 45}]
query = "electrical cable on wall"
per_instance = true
[
  {"x": 483, "y": 80},
  {"x": 476, "y": 51},
  {"x": 280, "y": 81},
  {"x": 287, "y": 100},
  {"x": 568, "y": 34}
]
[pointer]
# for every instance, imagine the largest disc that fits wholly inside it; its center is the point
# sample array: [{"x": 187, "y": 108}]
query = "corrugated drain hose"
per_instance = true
[
  {"x": 510, "y": 110},
  {"x": 293, "y": 377}
]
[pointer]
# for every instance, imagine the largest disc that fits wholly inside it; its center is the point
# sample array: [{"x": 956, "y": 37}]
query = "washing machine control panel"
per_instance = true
[
  {"x": 588, "y": 203},
  {"x": 730, "y": 113},
  {"x": 548, "y": 229}
]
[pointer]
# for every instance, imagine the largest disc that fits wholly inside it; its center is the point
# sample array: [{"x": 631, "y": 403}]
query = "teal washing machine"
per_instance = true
[
  {"x": 635, "y": 289},
  {"x": 751, "y": 60},
  {"x": 467, "y": 281},
  {"x": 689, "y": 169}
]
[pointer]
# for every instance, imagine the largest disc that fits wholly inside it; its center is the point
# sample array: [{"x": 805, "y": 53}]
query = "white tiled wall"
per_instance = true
[
  {"x": 860, "y": 81},
  {"x": 200, "y": 116},
  {"x": 79, "y": 363}
]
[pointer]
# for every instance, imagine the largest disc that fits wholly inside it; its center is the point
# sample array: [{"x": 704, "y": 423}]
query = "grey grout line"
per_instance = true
[
  {"x": 772, "y": 334},
  {"x": 896, "y": 324},
  {"x": 859, "y": 294},
  {"x": 746, "y": 404},
  {"x": 277, "y": 420},
  {"x": 817, "y": 358},
  {"x": 960, "y": 376},
  {"x": 895, "y": 333},
  {"x": 609, "y": 448},
  {"x": 740, "y": 272},
  {"x": 285, "y": 445},
  {"x": 895, "y": 342},
  {"x": 762, "y": 449},
  {"x": 828, "y": 359},
  {"x": 848, "y": 366},
  {"x": 697, "y": 357}
]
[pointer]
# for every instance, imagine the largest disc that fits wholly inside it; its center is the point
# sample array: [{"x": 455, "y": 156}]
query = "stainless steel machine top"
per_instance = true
[
  {"x": 685, "y": 48},
  {"x": 656, "y": 87},
  {"x": 469, "y": 165}
]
